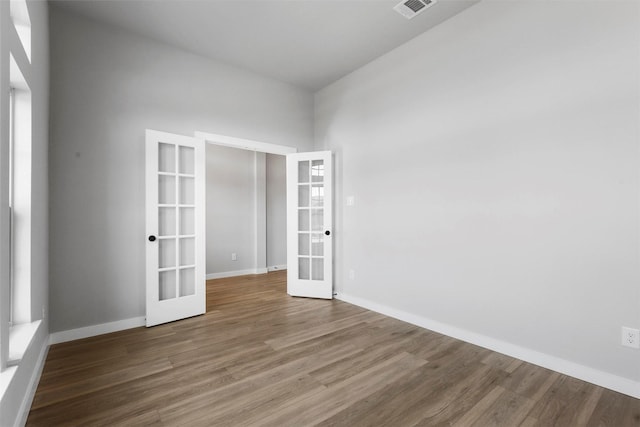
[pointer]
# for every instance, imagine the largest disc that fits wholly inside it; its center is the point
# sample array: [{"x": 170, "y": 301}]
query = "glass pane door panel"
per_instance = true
[
  {"x": 166, "y": 189},
  {"x": 187, "y": 221},
  {"x": 187, "y": 161},
  {"x": 317, "y": 244},
  {"x": 187, "y": 281},
  {"x": 303, "y": 220},
  {"x": 303, "y": 196},
  {"x": 317, "y": 269},
  {"x": 303, "y": 171},
  {"x": 317, "y": 195},
  {"x": 303, "y": 268},
  {"x": 317, "y": 219},
  {"x": 187, "y": 191},
  {"x": 303, "y": 244},
  {"x": 166, "y": 157},
  {"x": 167, "y": 285},
  {"x": 167, "y": 221},
  {"x": 167, "y": 253},
  {"x": 317, "y": 170},
  {"x": 187, "y": 251}
]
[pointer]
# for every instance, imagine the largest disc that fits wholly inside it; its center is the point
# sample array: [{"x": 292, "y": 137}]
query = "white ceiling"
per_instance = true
[{"x": 308, "y": 43}]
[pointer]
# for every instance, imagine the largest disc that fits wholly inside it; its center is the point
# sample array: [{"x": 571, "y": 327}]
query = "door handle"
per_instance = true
[
  {"x": 152, "y": 238},
  {"x": 328, "y": 233}
]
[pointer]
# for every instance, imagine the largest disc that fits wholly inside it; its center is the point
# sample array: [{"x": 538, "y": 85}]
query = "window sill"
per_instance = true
[{"x": 20, "y": 336}]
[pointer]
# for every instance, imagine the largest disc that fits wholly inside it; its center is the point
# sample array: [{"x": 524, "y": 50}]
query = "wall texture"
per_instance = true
[
  {"x": 494, "y": 165},
  {"x": 231, "y": 209},
  {"x": 107, "y": 87},
  {"x": 276, "y": 211}
]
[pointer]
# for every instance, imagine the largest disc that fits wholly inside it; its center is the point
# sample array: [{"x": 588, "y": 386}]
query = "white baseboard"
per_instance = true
[
  {"x": 25, "y": 406},
  {"x": 224, "y": 274},
  {"x": 91, "y": 331},
  {"x": 585, "y": 373},
  {"x": 277, "y": 267}
]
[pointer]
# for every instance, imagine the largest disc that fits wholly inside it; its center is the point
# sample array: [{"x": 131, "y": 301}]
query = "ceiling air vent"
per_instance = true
[{"x": 411, "y": 8}]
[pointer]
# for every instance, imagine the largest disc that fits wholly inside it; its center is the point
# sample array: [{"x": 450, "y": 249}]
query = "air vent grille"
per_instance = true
[
  {"x": 410, "y": 8},
  {"x": 415, "y": 5}
]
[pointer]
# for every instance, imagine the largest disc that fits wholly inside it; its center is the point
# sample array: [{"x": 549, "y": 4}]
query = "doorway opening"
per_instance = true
[{"x": 245, "y": 211}]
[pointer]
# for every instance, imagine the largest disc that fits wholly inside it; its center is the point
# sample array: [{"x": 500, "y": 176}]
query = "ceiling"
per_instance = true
[{"x": 307, "y": 43}]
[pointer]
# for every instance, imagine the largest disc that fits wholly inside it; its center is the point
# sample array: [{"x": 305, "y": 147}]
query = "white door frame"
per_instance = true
[
  {"x": 248, "y": 145},
  {"x": 245, "y": 144}
]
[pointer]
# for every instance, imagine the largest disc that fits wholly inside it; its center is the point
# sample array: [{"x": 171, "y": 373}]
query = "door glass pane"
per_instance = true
[
  {"x": 303, "y": 220},
  {"x": 187, "y": 191},
  {"x": 317, "y": 170},
  {"x": 303, "y": 244},
  {"x": 317, "y": 244},
  {"x": 317, "y": 195},
  {"x": 167, "y": 253},
  {"x": 187, "y": 160},
  {"x": 317, "y": 269},
  {"x": 187, "y": 281},
  {"x": 188, "y": 251},
  {"x": 166, "y": 157},
  {"x": 166, "y": 189},
  {"x": 303, "y": 171},
  {"x": 167, "y": 285},
  {"x": 303, "y": 268},
  {"x": 303, "y": 196},
  {"x": 317, "y": 219},
  {"x": 167, "y": 221},
  {"x": 187, "y": 221}
]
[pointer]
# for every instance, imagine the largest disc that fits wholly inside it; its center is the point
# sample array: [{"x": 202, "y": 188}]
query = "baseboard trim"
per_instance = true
[
  {"x": 585, "y": 373},
  {"x": 277, "y": 267},
  {"x": 25, "y": 407},
  {"x": 92, "y": 331},
  {"x": 224, "y": 274}
]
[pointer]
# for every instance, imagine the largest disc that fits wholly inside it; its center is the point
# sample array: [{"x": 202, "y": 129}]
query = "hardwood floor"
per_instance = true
[{"x": 260, "y": 357}]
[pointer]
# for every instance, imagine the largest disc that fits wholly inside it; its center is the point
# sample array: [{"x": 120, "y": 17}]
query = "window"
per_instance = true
[
  {"x": 21, "y": 21},
  {"x": 16, "y": 220},
  {"x": 20, "y": 198}
]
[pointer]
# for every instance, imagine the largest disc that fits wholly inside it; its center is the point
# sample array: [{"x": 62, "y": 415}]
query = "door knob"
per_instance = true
[
  {"x": 327, "y": 232},
  {"x": 152, "y": 238}
]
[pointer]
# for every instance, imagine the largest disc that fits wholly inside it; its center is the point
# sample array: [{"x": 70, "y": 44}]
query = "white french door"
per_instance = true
[
  {"x": 175, "y": 225},
  {"x": 309, "y": 221}
]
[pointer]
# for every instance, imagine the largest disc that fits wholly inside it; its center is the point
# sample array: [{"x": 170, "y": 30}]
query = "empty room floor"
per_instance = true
[{"x": 261, "y": 357}]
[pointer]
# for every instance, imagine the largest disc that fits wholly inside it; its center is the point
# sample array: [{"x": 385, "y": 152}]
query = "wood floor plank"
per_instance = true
[
  {"x": 261, "y": 357},
  {"x": 317, "y": 331},
  {"x": 57, "y": 392},
  {"x": 314, "y": 408}
]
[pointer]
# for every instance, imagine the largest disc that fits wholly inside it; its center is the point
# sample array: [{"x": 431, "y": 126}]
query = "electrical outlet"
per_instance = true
[
  {"x": 352, "y": 274},
  {"x": 630, "y": 337},
  {"x": 234, "y": 256}
]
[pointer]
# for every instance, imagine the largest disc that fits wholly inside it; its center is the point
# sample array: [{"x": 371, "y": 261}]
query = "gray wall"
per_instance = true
[
  {"x": 38, "y": 75},
  {"x": 276, "y": 211},
  {"x": 246, "y": 192},
  {"x": 107, "y": 86},
  {"x": 494, "y": 165},
  {"x": 231, "y": 209}
]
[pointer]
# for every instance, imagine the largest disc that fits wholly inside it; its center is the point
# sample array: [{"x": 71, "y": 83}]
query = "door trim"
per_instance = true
[{"x": 245, "y": 144}]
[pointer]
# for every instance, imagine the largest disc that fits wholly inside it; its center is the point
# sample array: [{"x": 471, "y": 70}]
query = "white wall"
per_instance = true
[
  {"x": 107, "y": 86},
  {"x": 494, "y": 164},
  {"x": 16, "y": 397},
  {"x": 276, "y": 211}
]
